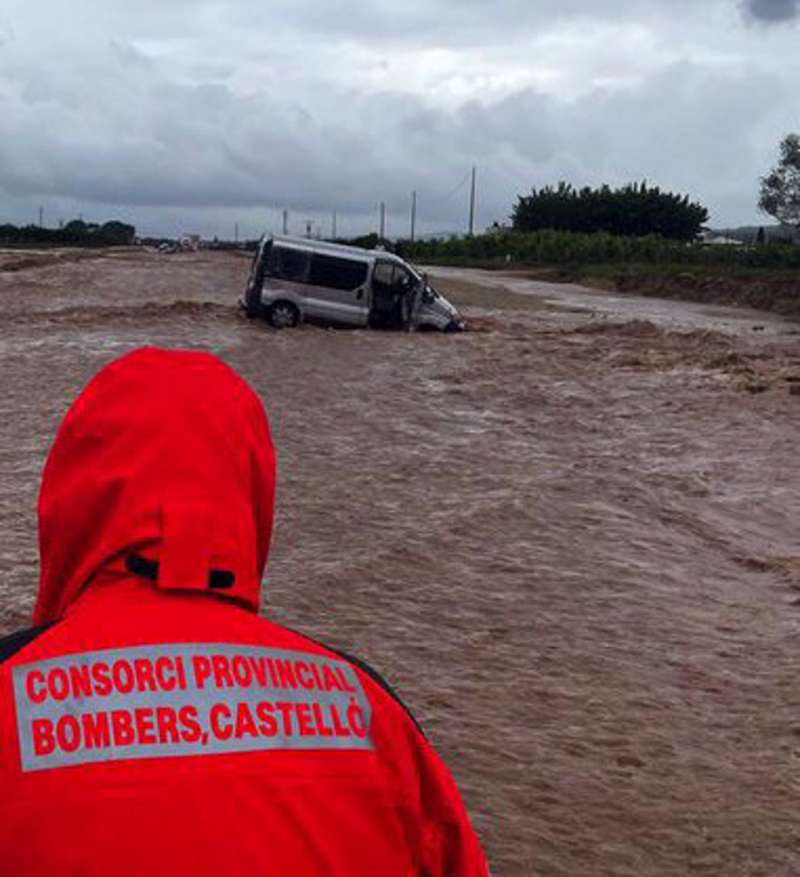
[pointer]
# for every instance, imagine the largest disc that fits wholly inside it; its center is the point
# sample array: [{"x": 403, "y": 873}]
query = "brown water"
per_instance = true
[{"x": 570, "y": 540}]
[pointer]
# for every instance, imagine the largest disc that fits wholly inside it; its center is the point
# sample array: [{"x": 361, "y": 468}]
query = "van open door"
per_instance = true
[
  {"x": 255, "y": 283},
  {"x": 394, "y": 293}
]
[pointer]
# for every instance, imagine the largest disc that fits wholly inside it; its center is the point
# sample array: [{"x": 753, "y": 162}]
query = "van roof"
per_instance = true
[{"x": 333, "y": 249}]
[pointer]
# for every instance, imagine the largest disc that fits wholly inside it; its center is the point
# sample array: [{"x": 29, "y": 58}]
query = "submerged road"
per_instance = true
[{"x": 665, "y": 313}]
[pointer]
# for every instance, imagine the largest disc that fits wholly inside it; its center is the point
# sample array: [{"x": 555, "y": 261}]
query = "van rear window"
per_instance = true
[
  {"x": 337, "y": 273},
  {"x": 289, "y": 264}
]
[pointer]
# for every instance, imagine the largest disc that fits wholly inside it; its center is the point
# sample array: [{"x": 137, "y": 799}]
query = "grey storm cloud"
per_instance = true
[
  {"x": 217, "y": 107},
  {"x": 773, "y": 10},
  {"x": 203, "y": 146}
]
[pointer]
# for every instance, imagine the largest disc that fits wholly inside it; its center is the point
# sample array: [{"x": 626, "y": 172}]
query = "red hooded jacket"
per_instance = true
[{"x": 153, "y": 723}]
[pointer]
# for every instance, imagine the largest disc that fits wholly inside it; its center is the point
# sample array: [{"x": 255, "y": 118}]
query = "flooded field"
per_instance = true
[{"x": 570, "y": 538}]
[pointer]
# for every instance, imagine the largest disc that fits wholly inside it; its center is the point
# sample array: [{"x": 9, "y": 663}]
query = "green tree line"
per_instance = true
[
  {"x": 74, "y": 234},
  {"x": 635, "y": 210},
  {"x": 570, "y": 248}
]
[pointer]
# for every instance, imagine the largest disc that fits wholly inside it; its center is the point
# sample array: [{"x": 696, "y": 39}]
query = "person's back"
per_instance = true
[{"x": 153, "y": 722}]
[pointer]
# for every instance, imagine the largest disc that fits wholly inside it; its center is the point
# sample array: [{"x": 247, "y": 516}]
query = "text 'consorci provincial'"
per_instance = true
[{"x": 185, "y": 699}]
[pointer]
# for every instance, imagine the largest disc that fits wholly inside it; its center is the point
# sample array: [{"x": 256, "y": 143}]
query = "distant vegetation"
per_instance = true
[
  {"x": 568, "y": 248},
  {"x": 74, "y": 234},
  {"x": 634, "y": 210},
  {"x": 366, "y": 242},
  {"x": 633, "y": 225}
]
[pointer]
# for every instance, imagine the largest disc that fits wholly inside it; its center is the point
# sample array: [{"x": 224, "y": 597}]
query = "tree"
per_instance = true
[
  {"x": 75, "y": 229},
  {"x": 75, "y": 233},
  {"x": 780, "y": 188},
  {"x": 636, "y": 210},
  {"x": 116, "y": 233}
]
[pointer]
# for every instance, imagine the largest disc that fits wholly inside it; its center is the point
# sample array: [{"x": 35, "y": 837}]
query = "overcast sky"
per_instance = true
[{"x": 192, "y": 115}]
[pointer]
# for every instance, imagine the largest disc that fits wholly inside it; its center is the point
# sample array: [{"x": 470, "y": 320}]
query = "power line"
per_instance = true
[
  {"x": 510, "y": 178},
  {"x": 453, "y": 191}
]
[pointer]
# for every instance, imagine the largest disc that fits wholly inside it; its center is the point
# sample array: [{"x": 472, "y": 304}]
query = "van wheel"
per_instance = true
[{"x": 283, "y": 315}]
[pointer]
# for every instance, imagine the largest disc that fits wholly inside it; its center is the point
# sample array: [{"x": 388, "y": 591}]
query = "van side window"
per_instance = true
[
  {"x": 288, "y": 264},
  {"x": 337, "y": 273}
]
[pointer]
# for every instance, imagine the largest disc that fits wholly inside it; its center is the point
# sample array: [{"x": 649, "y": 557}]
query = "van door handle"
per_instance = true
[{"x": 360, "y": 294}]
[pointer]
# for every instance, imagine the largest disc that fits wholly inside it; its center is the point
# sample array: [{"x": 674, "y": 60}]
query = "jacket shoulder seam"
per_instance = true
[
  {"x": 369, "y": 670},
  {"x": 15, "y": 642}
]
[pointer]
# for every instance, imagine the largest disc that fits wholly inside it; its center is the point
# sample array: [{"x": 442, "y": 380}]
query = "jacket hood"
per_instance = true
[{"x": 167, "y": 454}]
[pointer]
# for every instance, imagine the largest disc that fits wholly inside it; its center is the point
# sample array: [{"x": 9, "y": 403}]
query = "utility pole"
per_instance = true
[
  {"x": 41, "y": 217},
  {"x": 286, "y": 222},
  {"x": 236, "y": 232},
  {"x": 383, "y": 221},
  {"x": 333, "y": 226},
  {"x": 309, "y": 223},
  {"x": 472, "y": 203},
  {"x": 413, "y": 214}
]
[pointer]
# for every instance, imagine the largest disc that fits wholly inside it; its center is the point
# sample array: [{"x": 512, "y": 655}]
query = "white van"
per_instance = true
[{"x": 293, "y": 279}]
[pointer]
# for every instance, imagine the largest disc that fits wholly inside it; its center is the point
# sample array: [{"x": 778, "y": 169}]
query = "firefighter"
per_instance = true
[{"x": 152, "y": 722}]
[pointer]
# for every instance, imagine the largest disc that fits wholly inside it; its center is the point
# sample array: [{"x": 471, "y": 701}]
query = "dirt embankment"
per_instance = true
[
  {"x": 775, "y": 291},
  {"x": 779, "y": 293}
]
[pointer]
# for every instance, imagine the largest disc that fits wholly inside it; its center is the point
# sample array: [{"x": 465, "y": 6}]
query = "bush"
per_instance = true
[
  {"x": 634, "y": 210},
  {"x": 74, "y": 234},
  {"x": 568, "y": 248}
]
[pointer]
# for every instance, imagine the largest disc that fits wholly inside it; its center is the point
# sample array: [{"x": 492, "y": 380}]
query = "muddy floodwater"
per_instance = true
[{"x": 570, "y": 538}]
